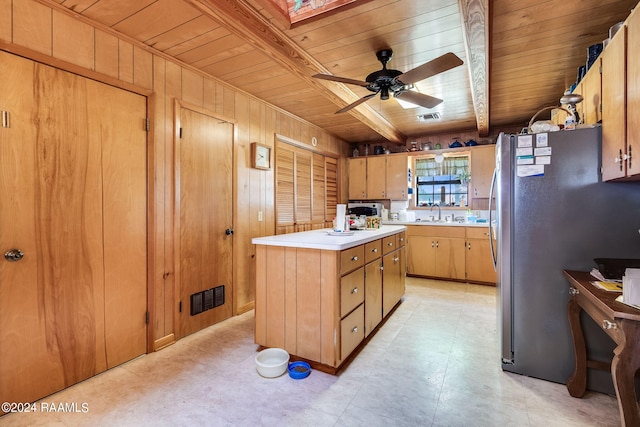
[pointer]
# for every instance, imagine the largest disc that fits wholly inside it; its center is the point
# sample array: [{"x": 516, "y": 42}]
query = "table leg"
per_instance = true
[
  {"x": 625, "y": 364},
  {"x": 577, "y": 383}
]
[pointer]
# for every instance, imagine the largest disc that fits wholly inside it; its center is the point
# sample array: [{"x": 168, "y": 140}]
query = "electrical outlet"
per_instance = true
[{"x": 259, "y": 215}]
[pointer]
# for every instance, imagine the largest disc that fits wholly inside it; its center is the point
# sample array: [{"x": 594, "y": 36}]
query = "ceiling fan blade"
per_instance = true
[
  {"x": 355, "y": 104},
  {"x": 341, "y": 79},
  {"x": 431, "y": 68},
  {"x": 418, "y": 98}
]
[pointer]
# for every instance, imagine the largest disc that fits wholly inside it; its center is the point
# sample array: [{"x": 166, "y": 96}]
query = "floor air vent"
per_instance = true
[{"x": 206, "y": 300}]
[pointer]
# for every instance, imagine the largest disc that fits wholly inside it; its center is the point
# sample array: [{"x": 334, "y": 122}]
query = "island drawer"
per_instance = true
[
  {"x": 372, "y": 250},
  {"x": 352, "y": 258},
  {"x": 389, "y": 243},
  {"x": 351, "y": 291},
  {"x": 351, "y": 331}
]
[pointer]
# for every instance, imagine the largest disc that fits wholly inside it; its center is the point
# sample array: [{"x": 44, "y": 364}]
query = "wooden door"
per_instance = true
[
  {"x": 285, "y": 189},
  {"x": 303, "y": 196},
  {"x": 397, "y": 172},
  {"x": 73, "y": 199},
  {"x": 613, "y": 107},
  {"x": 357, "y": 178},
  {"x": 319, "y": 191},
  {"x": 204, "y": 174},
  {"x": 331, "y": 192},
  {"x": 376, "y": 177}
]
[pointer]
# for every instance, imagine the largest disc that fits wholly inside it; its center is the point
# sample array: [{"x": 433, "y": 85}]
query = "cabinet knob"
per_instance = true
[
  {"x": 433, "y": 244},
  {"x": 354, "y": 290},
  {"x": 374, "y": 250},
  {"x": 355, "y": 329},
  {"x": 389, "y": 244},
  {"x": 395, "y": 260},
  {"x": 573, "y": 291},
  {"x": 355, "y": 258},
  {"x": 606, "y": 324},
  {"x": 469, "y": 246}
]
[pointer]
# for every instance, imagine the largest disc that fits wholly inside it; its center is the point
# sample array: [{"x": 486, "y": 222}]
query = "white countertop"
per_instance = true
[
  {"x": 321, "y": 239},
  {"x": 438, "y": 224}
]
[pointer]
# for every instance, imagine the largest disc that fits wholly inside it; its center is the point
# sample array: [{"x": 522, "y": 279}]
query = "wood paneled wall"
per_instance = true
[{"x": 50, "y": 34}]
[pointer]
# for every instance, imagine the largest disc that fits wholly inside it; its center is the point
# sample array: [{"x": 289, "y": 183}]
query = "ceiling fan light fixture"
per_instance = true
[{"x": 384, "y": 93}]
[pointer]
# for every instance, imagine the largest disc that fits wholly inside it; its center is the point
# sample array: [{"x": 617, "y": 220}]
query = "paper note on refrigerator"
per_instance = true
[{"x": 529, "y": 170}]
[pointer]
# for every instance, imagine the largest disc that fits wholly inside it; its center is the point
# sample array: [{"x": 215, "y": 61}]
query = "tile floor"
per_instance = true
[{"x": 434, "y": 363}]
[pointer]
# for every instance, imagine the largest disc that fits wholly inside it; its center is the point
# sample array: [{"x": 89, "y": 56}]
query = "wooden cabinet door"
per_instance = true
[
  {"x": 633, "y": 93},
  {"x": 376, "y": 177},
  {"x": 479, "y": 263},
  {"x": 613, "y": 107},
  {"x": 450, "y": 258},
  {"x": 357, "y": 178},
  {"x": 397, "y": 171},
  {"x": 373, "y": 295},
  {"x": 204, "y": 174},
  {"x": 483, "y": 162},
  {"x": 421, "y": 255},
  {"x": 73, "y": 199},
  {"x": 592, "y": 93},
  {"x": 392, "y": 279}
]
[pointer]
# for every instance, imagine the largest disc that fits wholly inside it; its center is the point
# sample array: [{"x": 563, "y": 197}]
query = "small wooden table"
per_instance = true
[{"x": 622, "y": 324}]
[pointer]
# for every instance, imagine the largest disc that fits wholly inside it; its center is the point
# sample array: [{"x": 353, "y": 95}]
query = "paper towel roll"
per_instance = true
[{"x": 341, "y": 212}]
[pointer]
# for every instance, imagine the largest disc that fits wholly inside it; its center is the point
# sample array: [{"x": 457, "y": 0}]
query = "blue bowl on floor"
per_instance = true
[{"x": 299, "y": 370}]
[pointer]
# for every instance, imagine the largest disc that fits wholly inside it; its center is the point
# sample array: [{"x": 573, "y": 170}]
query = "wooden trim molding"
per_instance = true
[
  {"x": 241, "y": 19},
  {"x": 475, "y": 27}
]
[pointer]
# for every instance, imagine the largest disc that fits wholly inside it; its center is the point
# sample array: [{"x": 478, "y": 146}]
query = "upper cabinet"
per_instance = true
[
  {"x": 614, "y": 107},
  {"x": 620, "y": 102},
  {"x": 378, "y": 177},
  {"x": 483, "y": 162},
  {"x": 633, "y": 95}
]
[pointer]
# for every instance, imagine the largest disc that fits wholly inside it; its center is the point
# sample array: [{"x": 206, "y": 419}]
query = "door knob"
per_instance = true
[
  {"x": 228, "y": 231},
  {"x": 13, "y": 255}
]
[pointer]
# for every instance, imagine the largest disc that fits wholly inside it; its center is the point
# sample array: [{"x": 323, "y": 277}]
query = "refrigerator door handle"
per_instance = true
[{"x": 491, "y": 231}]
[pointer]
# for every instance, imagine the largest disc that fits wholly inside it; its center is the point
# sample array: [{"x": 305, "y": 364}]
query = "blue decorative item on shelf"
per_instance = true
[{"x": 593, "y": 52}]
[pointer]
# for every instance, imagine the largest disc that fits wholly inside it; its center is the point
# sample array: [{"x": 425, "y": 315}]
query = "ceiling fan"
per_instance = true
[{"x": 397, "y": 82}]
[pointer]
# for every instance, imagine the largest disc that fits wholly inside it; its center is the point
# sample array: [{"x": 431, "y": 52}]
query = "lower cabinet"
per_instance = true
[
  {"x": 436, "y": 251},
  {"x": 479, "y": 262},
  {"x": 393, "y": 279},
  {"x": 450, "y": 252}
]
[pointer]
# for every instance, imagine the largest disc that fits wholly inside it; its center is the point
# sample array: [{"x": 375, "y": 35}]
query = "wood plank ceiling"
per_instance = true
[{"x": 522, "y": 63}]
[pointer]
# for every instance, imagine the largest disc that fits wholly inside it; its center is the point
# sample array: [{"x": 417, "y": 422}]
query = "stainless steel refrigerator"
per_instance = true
[{"x": 554, "y": 213}]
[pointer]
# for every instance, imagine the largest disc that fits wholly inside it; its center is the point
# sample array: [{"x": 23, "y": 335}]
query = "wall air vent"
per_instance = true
[
  {"x": 206, "y": 300},
  {"x": 428, "y": 116}
]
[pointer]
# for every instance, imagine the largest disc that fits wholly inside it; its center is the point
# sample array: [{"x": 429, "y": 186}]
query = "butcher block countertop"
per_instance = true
[{"x": 321, "y": 239}]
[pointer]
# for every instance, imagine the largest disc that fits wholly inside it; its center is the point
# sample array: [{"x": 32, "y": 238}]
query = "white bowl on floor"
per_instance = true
[{"x": 272, "y": 362}]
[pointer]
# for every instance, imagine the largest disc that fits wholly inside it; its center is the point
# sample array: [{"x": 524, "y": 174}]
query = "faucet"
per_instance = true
[{"x": 440, "y": 211}]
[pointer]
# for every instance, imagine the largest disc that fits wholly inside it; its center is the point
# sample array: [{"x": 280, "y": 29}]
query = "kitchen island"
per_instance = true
[{"x": 320, "y": 296}]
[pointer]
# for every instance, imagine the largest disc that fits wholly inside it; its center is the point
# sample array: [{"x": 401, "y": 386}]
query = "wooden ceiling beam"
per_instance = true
[
  {"x": 241, "y": 19},
  {"x": 475, "y": 26}
]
